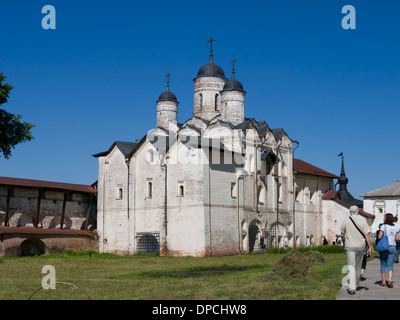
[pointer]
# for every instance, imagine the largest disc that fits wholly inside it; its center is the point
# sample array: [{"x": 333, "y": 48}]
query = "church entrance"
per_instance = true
[{"x": 254, "y": 238}]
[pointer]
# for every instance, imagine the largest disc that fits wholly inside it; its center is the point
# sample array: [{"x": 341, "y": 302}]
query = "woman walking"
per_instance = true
[{"x": 390, "y": 230}]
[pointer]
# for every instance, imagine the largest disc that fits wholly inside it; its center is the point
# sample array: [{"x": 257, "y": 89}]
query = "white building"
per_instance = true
[
  {"x": 208, "y": 186},
  {"x": 382, "y": 201}
]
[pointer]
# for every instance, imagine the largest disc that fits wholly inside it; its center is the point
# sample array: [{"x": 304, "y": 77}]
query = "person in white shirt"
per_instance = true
[
  {"x": 285, "y": 242},
  {"x": 355, "y": 232},
  {"x": 390, "y": 230}
]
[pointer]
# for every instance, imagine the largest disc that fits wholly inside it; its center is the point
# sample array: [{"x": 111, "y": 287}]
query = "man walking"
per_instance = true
[{"x": 355, "y": 234}]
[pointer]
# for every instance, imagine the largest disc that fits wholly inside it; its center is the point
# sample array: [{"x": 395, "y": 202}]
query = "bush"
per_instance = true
[{"x": 322, "y": 249}]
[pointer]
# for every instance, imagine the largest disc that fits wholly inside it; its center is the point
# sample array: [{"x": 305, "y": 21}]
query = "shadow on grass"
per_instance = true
[{"x": 193, "y": 272}]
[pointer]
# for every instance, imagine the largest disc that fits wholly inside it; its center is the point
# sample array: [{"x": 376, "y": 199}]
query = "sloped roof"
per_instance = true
[
  {"x": 304, "y": 167},
  {"x": 125, "y": 147},
  {"x": 392, "y": 190},
  {"x": 29, "y": 183}
]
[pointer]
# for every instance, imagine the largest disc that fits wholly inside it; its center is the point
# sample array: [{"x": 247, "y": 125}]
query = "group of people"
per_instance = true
[
  {"x": 357, "y": 242},
  {"x": 311, "y": 243}
]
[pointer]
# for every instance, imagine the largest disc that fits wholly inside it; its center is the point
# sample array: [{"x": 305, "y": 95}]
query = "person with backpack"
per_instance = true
[{"x": 387, "y": 254}]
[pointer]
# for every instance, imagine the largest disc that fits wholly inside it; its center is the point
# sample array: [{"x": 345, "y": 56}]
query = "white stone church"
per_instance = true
[{"x": 212, "y": 185}]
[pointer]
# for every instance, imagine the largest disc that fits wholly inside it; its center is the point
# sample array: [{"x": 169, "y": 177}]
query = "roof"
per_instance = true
[
  {"x": 125, "y": 147},
  {"x": 167, "y": 96},
  {"x": 29, "y": 183},
  {"x": 304, "y": 167},
  {"x": 392, "y": 190},
  {"x": 233, "y": 85},
  {"x": 335, "y": 196},
  {"x": 211, "y": 70},
  {"x": 346, "y": 196}
]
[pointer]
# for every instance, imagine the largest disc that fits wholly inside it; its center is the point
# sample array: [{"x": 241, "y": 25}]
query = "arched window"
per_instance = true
[
  {"x": 120, "y": 193},
  {"x": 201, "y": 102},
  {"x": 150, "y": 156},
  {"x": 379, "y": 207},
  {"x": 216, "y": 102}
]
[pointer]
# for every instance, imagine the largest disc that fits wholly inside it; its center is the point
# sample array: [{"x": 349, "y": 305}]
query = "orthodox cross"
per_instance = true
[
  {"x": 233, "y": 68},
  {"x": 168, "y": 76},
  {"x": 211, "y": 50}
]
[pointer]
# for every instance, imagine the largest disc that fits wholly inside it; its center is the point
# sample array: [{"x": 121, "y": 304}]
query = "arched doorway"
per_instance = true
[
  {"x": 31, "y": 247},
  {"x": 254, "y": 236}
]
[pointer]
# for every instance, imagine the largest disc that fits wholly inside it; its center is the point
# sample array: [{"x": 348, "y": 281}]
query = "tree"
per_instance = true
[{"x": 12, "y": 130}]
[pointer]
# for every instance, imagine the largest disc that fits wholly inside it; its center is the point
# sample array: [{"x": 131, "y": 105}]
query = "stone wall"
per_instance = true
[{"x": 28, "y": 241}]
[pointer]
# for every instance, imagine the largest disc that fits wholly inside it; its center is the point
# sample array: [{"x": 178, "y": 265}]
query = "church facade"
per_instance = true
[{"x": 210, "y": 186}]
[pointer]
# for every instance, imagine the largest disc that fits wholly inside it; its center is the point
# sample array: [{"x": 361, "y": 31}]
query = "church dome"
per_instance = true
[
  {"x": 233, "y": 85},
  {"x": 167, "y": 96},
  {"x": 211, "y": 70}
]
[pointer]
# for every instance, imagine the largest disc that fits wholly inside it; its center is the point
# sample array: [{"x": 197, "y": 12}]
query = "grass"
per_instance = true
[{"x": 138, "y": 277}]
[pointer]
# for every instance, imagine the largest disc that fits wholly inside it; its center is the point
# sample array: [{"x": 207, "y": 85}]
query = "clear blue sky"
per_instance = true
[{"x": 96, "y": 78}]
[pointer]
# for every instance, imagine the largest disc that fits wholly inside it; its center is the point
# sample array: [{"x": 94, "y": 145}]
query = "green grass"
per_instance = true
[{"x": 108, "y": 277}]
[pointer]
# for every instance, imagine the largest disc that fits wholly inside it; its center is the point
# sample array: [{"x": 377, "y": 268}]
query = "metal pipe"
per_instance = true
[
  {"x": 241, "y": 177},
  {"x": 294, "y": 196},
  {"x": 127, "y": 161}
]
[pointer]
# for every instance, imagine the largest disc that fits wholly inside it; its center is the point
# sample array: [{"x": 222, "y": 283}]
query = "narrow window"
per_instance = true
[
  {"x": 181, "y": 190},
  {"x": 233, "y": 190},
  {"x": 261, "y": 195},
  {"x": 119, "y": 193},
  {"x": 149, "y": 189},
  {"x": 201, "y": 102},
  {"x": 216, "y": 102},
  {"x": 251, "y": 163},
  {"x": 150, "y": 156},
  {"x": 280, "y": 193}
]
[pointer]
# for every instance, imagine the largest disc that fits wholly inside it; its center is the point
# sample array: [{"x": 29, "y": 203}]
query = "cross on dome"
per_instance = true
[
  {"x": 211, "y": 49},
  {"x": 233, "y": 67}
]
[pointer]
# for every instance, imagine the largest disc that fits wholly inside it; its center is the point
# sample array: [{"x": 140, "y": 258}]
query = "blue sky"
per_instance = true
[{"x": 96, "y": 77}]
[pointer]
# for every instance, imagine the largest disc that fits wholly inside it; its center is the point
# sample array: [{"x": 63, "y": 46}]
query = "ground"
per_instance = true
[{"x": 108, "y": 277}]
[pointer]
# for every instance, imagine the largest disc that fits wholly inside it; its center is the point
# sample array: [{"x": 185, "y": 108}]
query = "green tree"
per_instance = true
[{"x": 12, "y": 130}]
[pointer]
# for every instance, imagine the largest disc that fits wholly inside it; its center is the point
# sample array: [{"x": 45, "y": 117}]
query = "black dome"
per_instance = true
[
  {"x": 167, "y": 96},
  {"x": 233, "y": 85},
  {"x": 211, "y": 70}
]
